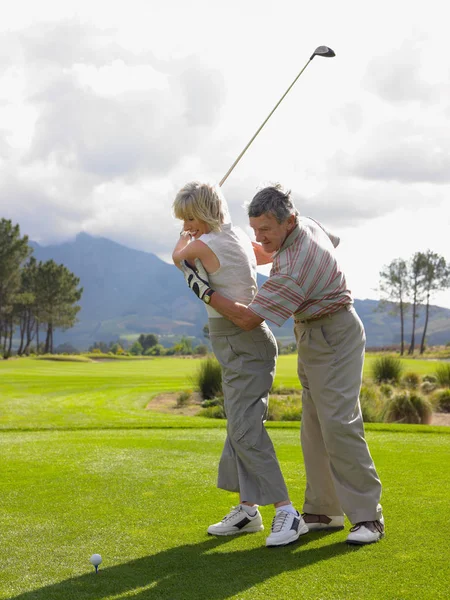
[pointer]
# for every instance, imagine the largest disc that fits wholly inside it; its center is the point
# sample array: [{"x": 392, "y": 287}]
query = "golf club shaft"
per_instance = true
[{"x": 264, "y": 122}]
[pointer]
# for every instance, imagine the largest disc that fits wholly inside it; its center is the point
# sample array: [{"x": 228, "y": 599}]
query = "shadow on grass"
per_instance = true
[{"x": 190, "y": 572}]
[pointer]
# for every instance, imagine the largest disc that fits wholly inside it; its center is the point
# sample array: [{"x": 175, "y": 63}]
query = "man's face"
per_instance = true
[{"x": 269, "y": 232}]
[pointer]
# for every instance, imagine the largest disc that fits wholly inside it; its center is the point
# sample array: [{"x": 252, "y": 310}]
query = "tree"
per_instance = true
[
  {"x": 14, "y": 251},
  {"x": 394, "y": 285},
  {"x": 136, "y": 349},
  {"x": 148, "y": 340},
  {"x": 66, "y": 348},
  {"x": 416, "y": 279},
  {"x": 201, "y": 350},
  {"x": 26, "y": 307},
  {"x": 101, "y": 346},
  {"x": 184, "y": 346},
  {"x": 436, "y": 277},
  {"x": 57, "y": 294},
  {"x": 157, "y": 350},
  {"x": 116, "y": 348}
]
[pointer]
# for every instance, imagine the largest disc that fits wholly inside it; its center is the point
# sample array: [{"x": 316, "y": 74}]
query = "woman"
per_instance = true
[{"x": 248, "y": 464}]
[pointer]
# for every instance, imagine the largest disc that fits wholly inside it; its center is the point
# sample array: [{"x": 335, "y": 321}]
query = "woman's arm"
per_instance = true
[
  {"x": 262, "y": 257},
  {"x": 186, "y": 249}
]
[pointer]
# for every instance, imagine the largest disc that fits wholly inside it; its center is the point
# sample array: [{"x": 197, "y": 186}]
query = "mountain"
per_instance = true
[
  {"x": 125, "y": 292},
  {"x": 128, "y": 292}
]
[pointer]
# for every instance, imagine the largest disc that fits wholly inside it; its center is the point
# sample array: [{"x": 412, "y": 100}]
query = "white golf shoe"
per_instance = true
[
  {"x": 366, "y": 532},
  {"x": 237, "y": 521},
  {"x": 287, "y": 527},
  {"x": 319, "y": 522}
]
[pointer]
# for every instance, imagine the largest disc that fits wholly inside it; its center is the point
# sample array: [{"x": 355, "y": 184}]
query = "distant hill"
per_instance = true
[{"x": 128, "y": 292}]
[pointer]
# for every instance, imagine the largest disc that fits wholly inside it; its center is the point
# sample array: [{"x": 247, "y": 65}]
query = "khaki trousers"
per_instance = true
[
  {"x": 341, "y": 477},
  {"x": 248, "y": 464}
]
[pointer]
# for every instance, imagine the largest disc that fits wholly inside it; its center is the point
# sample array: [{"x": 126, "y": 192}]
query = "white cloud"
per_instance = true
[
  {"x": 398, "y": 78},
  {"x": 106, "y": 110}
]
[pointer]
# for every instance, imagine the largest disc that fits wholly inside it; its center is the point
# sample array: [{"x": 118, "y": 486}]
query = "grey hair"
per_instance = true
[{"x": 275, "y": 201}]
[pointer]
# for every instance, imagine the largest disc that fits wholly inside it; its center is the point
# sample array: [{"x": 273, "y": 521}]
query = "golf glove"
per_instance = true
[{"x": 197, "y": 279}]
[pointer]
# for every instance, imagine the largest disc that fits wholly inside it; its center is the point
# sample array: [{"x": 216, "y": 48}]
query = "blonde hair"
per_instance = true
[{"x": 203, "y": 202}]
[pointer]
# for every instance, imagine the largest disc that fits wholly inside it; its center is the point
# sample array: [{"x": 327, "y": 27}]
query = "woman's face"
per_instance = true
[{"x": 195, "y": 227}]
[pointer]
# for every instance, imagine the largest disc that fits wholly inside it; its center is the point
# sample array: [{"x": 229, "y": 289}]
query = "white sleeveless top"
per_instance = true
[{"x": 236, "y": 277}]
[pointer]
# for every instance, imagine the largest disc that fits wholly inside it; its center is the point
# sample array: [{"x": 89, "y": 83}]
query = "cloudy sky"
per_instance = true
[{"x": 108, "y": 108}]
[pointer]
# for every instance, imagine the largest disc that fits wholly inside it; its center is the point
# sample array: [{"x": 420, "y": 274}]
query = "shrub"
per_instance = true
[
  {"x": 201, "y": 349},
  {"x": 292, "y": 414},
  {"x": 213, "y": 412},
  {"x": 209, "y": 378},
  {"x": 183, "y": 399},
  {"x": 387, "y": 369},
  {"x": 443, "y": 375},
  {"x": 371, "y": 404},
  {"x": 213, "y": 402},
  {"x": 408, "y": 407},
  {"x": 286, "y": 408},
  {"x": 411, "y": 380},
  {"x": 441, "y": 399}
]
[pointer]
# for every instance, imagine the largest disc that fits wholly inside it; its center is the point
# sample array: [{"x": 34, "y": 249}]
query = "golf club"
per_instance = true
[{"x": 320, "y": 51}]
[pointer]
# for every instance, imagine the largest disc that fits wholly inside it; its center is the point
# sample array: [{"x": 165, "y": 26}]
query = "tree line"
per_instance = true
[
  {"x": 148, "y": 345},
  {"x": 409, "y": 285},
  {"x": 35, "y": 297}
]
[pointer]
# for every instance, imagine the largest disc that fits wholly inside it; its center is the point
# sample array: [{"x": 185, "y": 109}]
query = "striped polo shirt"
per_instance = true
[{"x": 305, "y": 280}]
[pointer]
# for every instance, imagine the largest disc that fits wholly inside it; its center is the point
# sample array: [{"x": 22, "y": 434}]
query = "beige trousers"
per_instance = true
[
  {"x": 248, "y": 464},
  {"x": 340, "y": 474}
]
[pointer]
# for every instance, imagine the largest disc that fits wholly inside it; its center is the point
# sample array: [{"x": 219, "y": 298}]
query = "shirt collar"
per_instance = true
[{"x": 291, "y": 239}]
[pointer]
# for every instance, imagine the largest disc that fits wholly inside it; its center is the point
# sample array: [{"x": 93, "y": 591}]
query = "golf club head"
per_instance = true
[{"x": 323, "y": 51}]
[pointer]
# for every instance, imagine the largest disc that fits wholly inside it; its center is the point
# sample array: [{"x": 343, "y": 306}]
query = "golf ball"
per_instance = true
[{"x": 96, "y": 559}]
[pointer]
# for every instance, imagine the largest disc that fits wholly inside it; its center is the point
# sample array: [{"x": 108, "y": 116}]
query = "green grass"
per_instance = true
[
  {"x": 142, "y": 499},
  {"x": 45, "y": 394},
  {"x": 85, "y": 469},
  {"x": 287, "y": 368}
]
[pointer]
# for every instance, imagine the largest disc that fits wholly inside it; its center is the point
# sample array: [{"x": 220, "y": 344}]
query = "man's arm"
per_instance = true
[
  {"x": 240, "y": 314},
  {"x": 197, "y": 279}
]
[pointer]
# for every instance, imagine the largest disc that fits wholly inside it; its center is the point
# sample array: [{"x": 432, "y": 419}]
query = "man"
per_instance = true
[{"x": 307, "y": 282}]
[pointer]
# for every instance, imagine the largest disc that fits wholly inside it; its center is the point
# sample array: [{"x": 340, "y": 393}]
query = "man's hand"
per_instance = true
[{"x": 197, "y": 279}]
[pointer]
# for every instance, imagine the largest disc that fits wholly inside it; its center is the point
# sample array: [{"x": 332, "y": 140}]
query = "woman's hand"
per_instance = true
[
  {"x": 262, "y": 257},
  {"x": 183, "y": 241}
]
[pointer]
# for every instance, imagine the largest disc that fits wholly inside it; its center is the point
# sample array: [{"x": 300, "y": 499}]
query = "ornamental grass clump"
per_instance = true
[
  {"x": 387, "y": 369},
  {"x": 443, "y": 375},
  {"x": 411, "y": 380},
  {"x": 426, "y": 387},
  {"x": 429, "y": 378},
  {"x": 371, "y": 403},
  {"x": 183, "y": 399},
  {"x": 441, "y": 400},
  {"x": 209, "y": 378},
  {"x": 386, "y": 390},
  {"x": 408, "y": 407}
]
